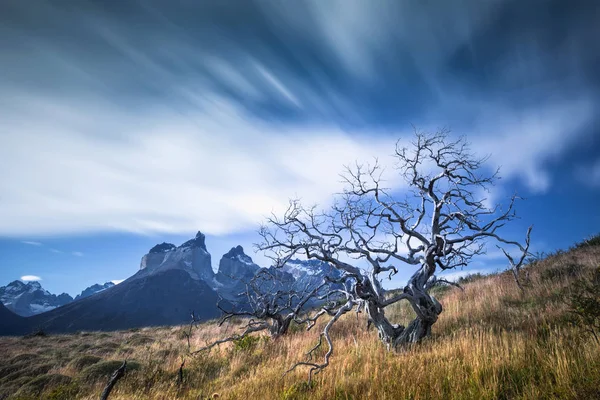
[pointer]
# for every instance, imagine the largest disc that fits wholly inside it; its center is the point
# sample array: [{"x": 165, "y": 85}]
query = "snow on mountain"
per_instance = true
[
  {"x": 310, "y": 271},
  {"x": 30, "y": 298},
  {"x": 93, "y": 290}
]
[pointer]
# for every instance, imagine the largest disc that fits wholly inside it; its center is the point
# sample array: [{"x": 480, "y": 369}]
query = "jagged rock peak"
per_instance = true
[
  {"x": 237, "y": 253},
  {"x": 234, "y": 252},
  {"x": 163, "y": 248},
  {"x": 198, "y": 241},
  {"x": 94, "y": 289}
]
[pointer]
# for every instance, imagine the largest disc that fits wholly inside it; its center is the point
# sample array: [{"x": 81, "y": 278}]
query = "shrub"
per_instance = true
[
  {"x": 22, "y": 370},
  {"x": 584, "y": 302},
  {"x": 104, "y": 369},
  {"x": 561, "y": 272},
  {"x": 139, "y": 340},
  {"x": 66, "y": 391},
  {"x": 247, "y": 343},
  {"x": 593, "y": 240},
  {"x": 84, "y": 361},
  {"x": 38, "y": 332},
  {"x": 44, "y": 383},
  {"x": 470, "y": 278}
]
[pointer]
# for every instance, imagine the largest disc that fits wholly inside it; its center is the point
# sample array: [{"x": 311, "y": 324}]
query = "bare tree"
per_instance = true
[
  {"x": 271, "y": 302},
  {"x": 441, "y": 223}
]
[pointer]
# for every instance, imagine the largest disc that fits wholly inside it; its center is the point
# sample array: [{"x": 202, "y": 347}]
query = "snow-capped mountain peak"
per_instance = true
[
  {"x": 93, "y": 290},
  {"x": 30, "y": 298}
]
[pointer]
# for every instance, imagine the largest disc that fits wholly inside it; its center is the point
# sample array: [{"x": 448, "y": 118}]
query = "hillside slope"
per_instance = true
[{"x": 491, "y": 342}]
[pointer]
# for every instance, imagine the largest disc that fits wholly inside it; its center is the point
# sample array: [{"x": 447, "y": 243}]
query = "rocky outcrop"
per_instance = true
[
  {"x": 236, "y": 269},
  {"x": 191, "y": 257}
]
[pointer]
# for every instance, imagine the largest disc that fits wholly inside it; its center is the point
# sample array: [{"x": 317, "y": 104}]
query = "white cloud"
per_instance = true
[
  {"x": 77, "y": 253},
  {"x": 56, "y": 251},
  {"x": 214, "y": 169},
  {"x": 31, "y": 243},
  {"x": 30, "y": 278},
  {"x": 163, "y": 172}
]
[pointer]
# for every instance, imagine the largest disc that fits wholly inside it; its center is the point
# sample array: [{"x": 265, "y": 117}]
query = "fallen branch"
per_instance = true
[{"x": 118, "y": 374}]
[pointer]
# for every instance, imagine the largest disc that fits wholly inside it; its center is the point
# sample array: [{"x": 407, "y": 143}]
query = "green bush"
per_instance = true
[{"x": 246, "y": 343}]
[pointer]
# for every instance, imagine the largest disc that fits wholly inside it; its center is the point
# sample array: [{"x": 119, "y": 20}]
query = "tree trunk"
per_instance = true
[
  {"x": 280, "y": 326},
  {"x": 425, "y": 306}
]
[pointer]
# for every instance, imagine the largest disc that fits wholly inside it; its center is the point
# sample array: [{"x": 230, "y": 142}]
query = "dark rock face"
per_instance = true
[
  {"x": 165, "y": 298},
  {"x": 235, "y": 270},
  {"x": 26, "y": 299},
  {"x": 199, "y": 241},
  {"x": 235, "y": 264},
  {"x": 93, "y": 290},
  {"x": 162, "y": 248}
]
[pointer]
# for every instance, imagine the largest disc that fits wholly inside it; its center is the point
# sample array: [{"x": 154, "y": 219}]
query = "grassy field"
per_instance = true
[{"x": 491, "y": 342}]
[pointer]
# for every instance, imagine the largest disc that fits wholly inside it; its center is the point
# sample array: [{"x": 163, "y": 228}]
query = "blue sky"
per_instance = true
[{"x": 129, "y": 123}]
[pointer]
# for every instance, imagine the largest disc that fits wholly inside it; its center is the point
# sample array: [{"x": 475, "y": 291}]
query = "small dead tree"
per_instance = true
[
  {"x": 441, "y": 223},
  {"x": 271, "y": 302}
]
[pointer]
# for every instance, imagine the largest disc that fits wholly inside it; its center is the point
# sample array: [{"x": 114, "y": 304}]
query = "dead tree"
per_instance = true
[
  {"x": 440, "y": 223},
  {"x": 270, "y": 304}
]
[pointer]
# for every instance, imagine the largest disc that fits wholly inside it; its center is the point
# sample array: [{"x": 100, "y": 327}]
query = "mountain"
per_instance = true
[
  {"x": 191, "y": 257},
  {"x": 310, "y": 272},
  {"x": 171, "y": 283},
  {"x": 235, "y": 270},
  {"x": 26, "y": 299},
  {"x": 93, "y": 290},
  {"x": 164, "y": 298}
]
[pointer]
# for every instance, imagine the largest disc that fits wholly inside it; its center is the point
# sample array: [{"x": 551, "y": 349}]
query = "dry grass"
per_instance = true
[{"x": 491, "y": 342}]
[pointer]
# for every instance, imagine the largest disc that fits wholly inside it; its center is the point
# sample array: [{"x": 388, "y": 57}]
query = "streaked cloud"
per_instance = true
[{"x": 77, "y": 253}]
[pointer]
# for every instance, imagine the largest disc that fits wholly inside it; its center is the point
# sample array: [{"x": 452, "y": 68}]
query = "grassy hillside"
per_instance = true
[{"x": 491, "y": 342}]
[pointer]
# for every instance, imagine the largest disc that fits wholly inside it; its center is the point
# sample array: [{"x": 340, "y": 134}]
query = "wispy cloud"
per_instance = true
[
  {"x": 30, "y": 278},
  {"x": 56, "y": 251},
  {"x": 31, "y": 243},
  {"x": 77, "y": 253}
]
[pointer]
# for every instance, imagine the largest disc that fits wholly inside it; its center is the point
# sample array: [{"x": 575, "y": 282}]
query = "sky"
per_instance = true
[{"x": 126, "y": 124}]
